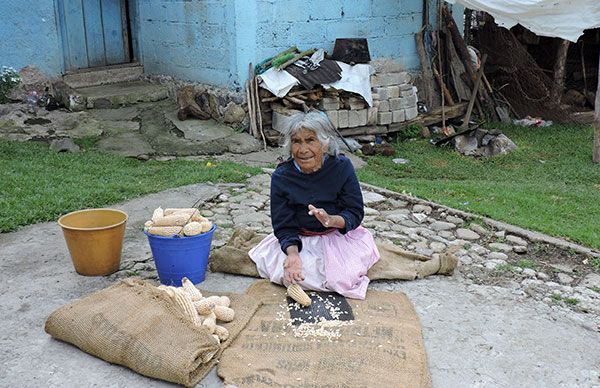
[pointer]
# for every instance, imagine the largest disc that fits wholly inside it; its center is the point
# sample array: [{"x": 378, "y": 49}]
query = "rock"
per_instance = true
[
  {"x": 542, "y": 276},
  {"x": 126, "y": 144},
  {"x": 497, "y": 256},
  {"x": 143, "y": 157},
  {"x": 591, "y": 280},
  {"x": 478, "y": 229},
  {"x": 233, "y": 113},
  {"x": 465, "y": 259},
  {"x": 516, "y": 240},
  {"x": 437, "y": 246},
  {"x": 400, "y": 161},
  {"x": 520, "y": 249},
  {"x": 424, "y": 251},
  {"x": 493, "y": 264},
  {"x": 422, "y": 209},
  {"x": 396, "y": 217},
  {"x": 371, "y": 212},
  {"x": 466, "y": 234},
  {"x": 500, "y": 247},
  {"x": 564, "y": 278},
  {"x": 441, "y": 225},
  {"x": 479, "y": 249},
  {"x": 370, "y": 198},
  {"x": 500, "y": 234},
  {"x": 454, "y": 220},
  {"x": 249, "y": 218},
  {"x": 448, "y": 235},
  {"x": 501, "y": 144},
  {"x": 418, "y": 217},
  {"x": 562, "y": 267},
  {"x": 64, "y": 145},
  {"x": 528, "y": 272}
]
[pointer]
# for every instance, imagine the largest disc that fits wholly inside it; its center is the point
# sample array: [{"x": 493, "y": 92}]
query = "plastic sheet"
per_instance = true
[{"x": 556, "y": 18}]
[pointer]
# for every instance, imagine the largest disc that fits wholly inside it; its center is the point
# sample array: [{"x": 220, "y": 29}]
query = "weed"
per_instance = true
[
  {"x": 132, "y": 273},
  {"x": 556, "y": 297},
  {"x": 596, "y": 289},
  {"x": 467, "y": 246},
  {"x": 9, "y": 79},
  {"x": 596, "y": 263},
  {"x": 505, "y": 268},
  {"x": 527, "y": 263},
  {"x": 571, "y": 301}
]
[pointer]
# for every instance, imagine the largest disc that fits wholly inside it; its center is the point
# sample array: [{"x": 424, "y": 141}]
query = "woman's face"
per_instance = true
[{"x": 307, "y": 150}]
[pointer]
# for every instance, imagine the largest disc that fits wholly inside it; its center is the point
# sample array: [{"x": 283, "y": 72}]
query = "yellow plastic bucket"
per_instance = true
[{"x": 95, "y": 239}]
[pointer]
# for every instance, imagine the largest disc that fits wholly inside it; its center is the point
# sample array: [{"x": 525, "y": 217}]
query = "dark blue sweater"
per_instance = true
[{"x": 334, "y": 188}]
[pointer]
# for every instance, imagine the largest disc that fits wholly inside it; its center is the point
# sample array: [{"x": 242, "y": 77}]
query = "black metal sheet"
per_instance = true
[
  {"x": 327, "y": 72},
  {"x": 320, "y": 308}
]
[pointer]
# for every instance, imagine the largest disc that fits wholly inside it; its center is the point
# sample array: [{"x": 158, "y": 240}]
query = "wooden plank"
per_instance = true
[
  {"x": 596, "y": 147},
  {"x": 456, "y": 71},
  {"x": 112, "y": 27},
  {"x": 425, "y": 69},
  {"x": 94, "y": 36},
  {"x": 75, "y": 33}
]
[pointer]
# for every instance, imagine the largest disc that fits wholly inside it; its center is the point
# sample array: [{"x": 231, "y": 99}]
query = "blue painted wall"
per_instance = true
[
  {"x": 192, "y": 40},
  {"x": 213, "y": 41},
  {"x": 29, "y": 35}
]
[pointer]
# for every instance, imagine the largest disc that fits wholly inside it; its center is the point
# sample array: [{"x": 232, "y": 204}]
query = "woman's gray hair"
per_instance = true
[{"x": 316, "y": 121}]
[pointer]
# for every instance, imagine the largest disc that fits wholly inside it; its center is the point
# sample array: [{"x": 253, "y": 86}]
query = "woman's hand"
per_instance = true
[
  {"x": 325, "y": 219},
  {"x": 292, "y": 267}
]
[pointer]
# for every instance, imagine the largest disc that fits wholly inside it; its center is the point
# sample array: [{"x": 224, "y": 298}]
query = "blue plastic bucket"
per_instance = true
[{"x": 178, "y": 257}]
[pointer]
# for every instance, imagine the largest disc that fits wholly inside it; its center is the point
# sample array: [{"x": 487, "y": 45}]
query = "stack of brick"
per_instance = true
[
  {"x": 347, "y": 112},
  {"x": 394, "y": 97}
]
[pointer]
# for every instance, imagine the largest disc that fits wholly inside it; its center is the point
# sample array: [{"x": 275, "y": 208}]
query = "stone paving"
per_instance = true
[{"x": 486, "y": 256}]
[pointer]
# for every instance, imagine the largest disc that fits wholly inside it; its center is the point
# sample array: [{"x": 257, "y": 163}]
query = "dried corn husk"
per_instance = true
[
  {"x": 158, "y": 213},
  {"x": 210, "y": 322},
  {"x": 184, "y": 301},
  {"x": 173, "y": 210}
]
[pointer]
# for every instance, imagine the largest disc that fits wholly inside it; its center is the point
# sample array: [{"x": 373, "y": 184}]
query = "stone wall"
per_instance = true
[{"x": 30, "y": 36}]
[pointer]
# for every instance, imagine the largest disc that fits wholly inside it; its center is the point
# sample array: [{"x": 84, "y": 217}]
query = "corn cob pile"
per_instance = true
[
  {"x": 181, "y": 221},
  {"x": 202, "y": 311}
]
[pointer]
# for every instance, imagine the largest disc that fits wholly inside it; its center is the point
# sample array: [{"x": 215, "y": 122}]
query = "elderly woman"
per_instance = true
[{"x": 316, "y": 211}]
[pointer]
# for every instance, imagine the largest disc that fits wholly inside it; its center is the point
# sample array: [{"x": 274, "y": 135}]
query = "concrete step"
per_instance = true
[
  {"x": 104, "y": 75},
  {"x": 122, "y": 94}
]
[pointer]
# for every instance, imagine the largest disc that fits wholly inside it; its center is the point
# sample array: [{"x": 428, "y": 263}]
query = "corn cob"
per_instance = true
[
  {"x": 295, "y": 292},
  {"x": 147, "y": 225},
  {"x": 164, "y": 230},
  {"x": 192, "y": 229},
  {"x": 222, "y": 333},
  {"x": 191, "y": 290},
  {"x": 173, "y": 210},
  {"x": 219, "y": 300},
  {"x": 158, "y": 213},
  {"x": 206, "y": 225},
  {"x": 184, "y": 301},
  {"x": 216, "y": 337},
  {"x": 172, "y": 220},
  {"x": 210, "y": 322},
  {"x": 224, "y": 314},
  {"x": 204, "y": 306}
]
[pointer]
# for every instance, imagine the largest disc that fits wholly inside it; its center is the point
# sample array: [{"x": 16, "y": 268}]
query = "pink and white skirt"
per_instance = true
[{"x": 330, "y": 262}]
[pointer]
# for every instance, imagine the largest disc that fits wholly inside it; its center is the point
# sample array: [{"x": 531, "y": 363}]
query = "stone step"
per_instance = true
[
  {"x": 104, "y": 75},
  {"x": 122, "y": 94}
]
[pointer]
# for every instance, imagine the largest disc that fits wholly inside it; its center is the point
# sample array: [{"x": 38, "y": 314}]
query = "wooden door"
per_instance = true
[{"x": 94, "y": 33}]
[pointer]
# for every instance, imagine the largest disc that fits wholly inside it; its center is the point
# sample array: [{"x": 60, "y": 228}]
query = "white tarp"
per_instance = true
[
  {"x": 556, "y": 18},
  {"x": 354, "y": 79}
]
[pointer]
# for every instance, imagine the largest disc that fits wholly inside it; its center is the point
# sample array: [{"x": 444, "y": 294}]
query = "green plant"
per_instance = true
[
  {"x": 596, "y": 289},
  {"x": 571, "y": 301},
  {"x": 505, "y": 268},
  {"x": 9, "y": 79},
  {"x": 527, "y": 263},
  {"x": 596, "y": 263},
  {"x": 410, "y": 132},
  {"x": 556, "y": 297}
]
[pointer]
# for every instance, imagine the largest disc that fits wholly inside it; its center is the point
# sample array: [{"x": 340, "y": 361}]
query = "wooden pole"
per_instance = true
[
  {"x": 425, "y": 69},
  {"x": 467, "y": 117},
  {"x": 596, "y": 151},
  {"x": 559, "y": 71}
]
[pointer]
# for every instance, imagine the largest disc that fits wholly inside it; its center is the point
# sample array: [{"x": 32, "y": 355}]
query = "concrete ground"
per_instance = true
[{"x": 475, "y": 335}]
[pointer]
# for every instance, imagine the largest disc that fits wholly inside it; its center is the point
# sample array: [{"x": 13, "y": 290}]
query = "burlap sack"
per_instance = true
[
  {"x": 133, "y": 324},
  {"x": 395, "y": 263},
  {"x": 383, "y": 348}
]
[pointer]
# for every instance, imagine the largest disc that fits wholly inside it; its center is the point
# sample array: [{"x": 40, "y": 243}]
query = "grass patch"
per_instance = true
[
  {"x": 556, "y": 297},
  {"x": 557, "y": 196},
  {"x": 571, "y": 301},
  {"x": 596, "y": 289},
  {"x": 39, "y": 185},
  {"x": 527, "y": 263},
  {"x": 505, "y": 268},
  {"x": 596, "y": 263}
]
